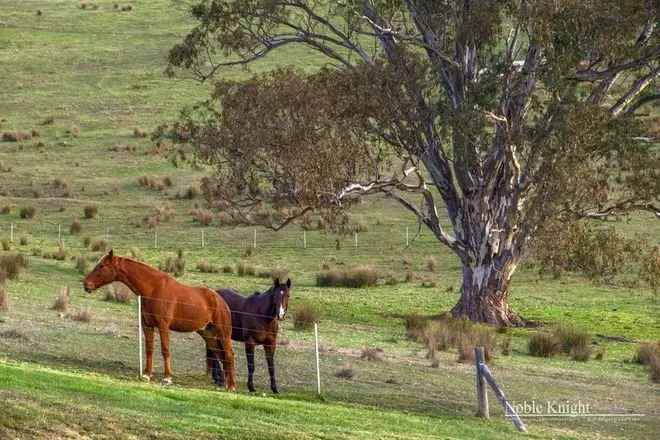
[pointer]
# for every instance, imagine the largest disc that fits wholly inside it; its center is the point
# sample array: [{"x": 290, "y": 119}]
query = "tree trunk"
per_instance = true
[{"x": 484, "y": 295}]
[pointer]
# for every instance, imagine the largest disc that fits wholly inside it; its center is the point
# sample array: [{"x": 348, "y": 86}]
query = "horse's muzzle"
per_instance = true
[{"x": 87, "y": 288}]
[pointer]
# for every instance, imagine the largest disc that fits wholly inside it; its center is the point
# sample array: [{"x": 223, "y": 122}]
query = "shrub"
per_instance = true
[
  {"x": 355, "y": 277},
  {"x": 16, "y": 136},
  {"x": 12, "y": 265},
  {"x": 245, "y": 269},
  {"x": 543, "y": 345},
  {"x": 99, "y": 246},
  {"x": 505, "y": 346},
  {"x": 202, "y": 216},
  {"x": 4, "y": 299},
  {"x": 61, "y": 303},
  {"x": 174, "y": 265},
  {"x": 81, "y": 264},
  {"x": 163, "y": 213},
  {"x": 139, "y": 133},
  {"x": 580, "y": 353},
  {"x": 415, "y": 326},
  {"x": 90, "y": 211},
  {"x": 83, "y": 315},
  {"x": 571, "y": 337},
  {"x": 654, "y": 367},
  {"x": 27, "y": 212},
  {"x": 23, "y": 241},
  {"x": 5, "y": 209},
  {"x": 645, "y": 351},
  {"x": 305, "y": 316},
  {"x": 6, "y": 245},
  {"x": 649, "y": 270},
  {"x": 118, "y": 292},
  {"x": 206, "y": 267},
  {"x": 345, "y": 373},
  {"x": 372, "y": 354},
  {"x": 431, "y": 264},
  {"x": 75, "y": 227},
  {"x": 227, "y": 268},
  {"x": 279, "y": 273},
  {"x": 167, "y": 181}
]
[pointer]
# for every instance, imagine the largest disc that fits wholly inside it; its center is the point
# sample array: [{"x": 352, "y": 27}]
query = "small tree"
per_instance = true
[{"x": 501, "y": 115}]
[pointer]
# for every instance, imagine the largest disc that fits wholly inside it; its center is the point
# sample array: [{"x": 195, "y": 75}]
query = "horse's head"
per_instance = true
[
  {"x": 281, "y": 297},
  {"x": 104, "y": 273}
]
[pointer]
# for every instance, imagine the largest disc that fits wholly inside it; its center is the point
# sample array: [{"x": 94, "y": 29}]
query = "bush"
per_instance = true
[
  {"x": 4, "y": 299},
  {"x": 174, "y": 265},
  {"x": 139, "y": 133},
  {"x": 654, "y": 367},
  {"x": 118, "y": 292},
  {"x": 345, "y": 373},
  {"x": 24, "y": 241},
  {"x": 99, "y": 246},
  {"x": 279, "y": 273},
  {"x": 227, "y": 268},
  {"x": 372, "y": 354},
  {"x": 543, "y": 345},
  {"x": 6, "y": 246},
  {"x": 12, "y": 265},
  {"x": 90, "y": 211},
  {"x": 83, "y": 315},
  {"x": 571, "y": 338},
  {"x": 305, "y": 316},
  {"x": 202, "y": 216},
  {"x": 5, "y": 209},
  {"x": 431, "y": 264},
  {"x": 206, "y": 267},
  {"x": 649, "y": 270},
  {"x": 645, "y": 351},
  {"x": 355, "y": 277},
  {"x": 81, "y": 265},
  {"x": 61, "y": 303},
  {"x": 27, "y": 212},
  {"x": 580, "y": 353},
  {"x": 245, "y": 269},
  {"x": 75, "y": 227}
]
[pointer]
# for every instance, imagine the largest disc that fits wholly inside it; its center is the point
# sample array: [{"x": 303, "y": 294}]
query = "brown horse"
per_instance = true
[
  {"x": 255, "y": 322},
  {"x": 169, "y": 305}
]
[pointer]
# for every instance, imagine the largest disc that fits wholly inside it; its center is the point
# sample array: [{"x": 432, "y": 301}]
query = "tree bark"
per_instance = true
[{"x": 484, "y": 295}]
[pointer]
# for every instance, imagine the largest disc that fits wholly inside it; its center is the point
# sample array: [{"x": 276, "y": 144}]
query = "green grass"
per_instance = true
[{"x": 102, "y": 71}]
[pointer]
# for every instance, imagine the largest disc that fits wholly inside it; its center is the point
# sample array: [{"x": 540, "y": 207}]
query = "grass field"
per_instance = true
[{"x": 99, "y": 75}]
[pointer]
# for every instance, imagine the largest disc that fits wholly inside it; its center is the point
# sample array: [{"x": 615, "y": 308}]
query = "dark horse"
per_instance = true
[{"x": 255, "y": 322}]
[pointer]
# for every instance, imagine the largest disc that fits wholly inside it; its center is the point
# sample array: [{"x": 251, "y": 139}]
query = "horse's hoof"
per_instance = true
[
  {"x": 167, "y": 381},
  {"x": 275, "y": 391},
  {"x": 146, "y": 378},
  {"x": 231, "y": 389}
]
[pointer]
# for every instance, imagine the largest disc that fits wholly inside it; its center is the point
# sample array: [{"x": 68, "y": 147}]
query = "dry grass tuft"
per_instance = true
[
  {"x": 345, "y": 373},
  {"x": 204, "y": 266},
  {"x": 85, "y": 314},
  {"x": 305, "y": 316},
  {"x": 76, "y": 227},
  {"x": 543, "y": 345},
  {"x": 372, "y": 354},
  {"x": 27, "y": 212},
  {"x": 61, "y": 303},
  {"x": 227, "y": 268},
  {"x": 99, "y": 246},
  {"x": 6, "y": 246},
  {"x": 23, "y": 241},
  {"x": 4, "y": 298},
  {"x": 431, "y": 264},
  {"x": 16, "y": 136},
  {"x": 118, "y": 292},
  {"x": 12, "y": 265},
  {"x": 245, "y": 269},
  {"x": 355, "y": 277},
  {"x": 90, "y": 211},
  {"x": 81, "y": 265},
  {"x": 645, "y": 351},
  {"x": 139, "y": 133},
  {"x": 5, "y": 209},
  {"x": 174, "y": 265},
  {"x": 202, "y": 216}
]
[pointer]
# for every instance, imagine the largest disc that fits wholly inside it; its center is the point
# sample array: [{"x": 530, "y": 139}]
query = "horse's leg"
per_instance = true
[
  {"x": 269, "y": 348},
  {"x": 165, "y": 350},
  {"x": 212, "y": 362},
  {"x": 226, "y": 355},
  {"x": 249, "y": 354},
  {"x": 149, "y": 346}
]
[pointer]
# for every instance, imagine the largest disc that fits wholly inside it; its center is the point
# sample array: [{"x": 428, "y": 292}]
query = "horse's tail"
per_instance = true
[{"x": 223, "y": 324}]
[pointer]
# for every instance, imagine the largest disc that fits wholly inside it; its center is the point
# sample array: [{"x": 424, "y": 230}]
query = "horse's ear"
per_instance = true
[
  {"x": 111, "y": 254},
  {"x": 288, "y": 283},
  {"x": 276, "y": 283}
]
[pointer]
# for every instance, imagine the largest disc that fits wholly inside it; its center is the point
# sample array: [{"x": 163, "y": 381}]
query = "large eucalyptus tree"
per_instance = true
[{"x": 502, "y": 114}]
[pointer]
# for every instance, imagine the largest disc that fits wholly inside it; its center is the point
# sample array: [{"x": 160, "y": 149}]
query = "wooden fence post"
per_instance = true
[
  {"x": 482, "y": 397},
  {"x": 483, "y": 373}
]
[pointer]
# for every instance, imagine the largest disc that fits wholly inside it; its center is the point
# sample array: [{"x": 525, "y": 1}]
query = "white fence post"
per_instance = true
[
  {"x": 254, "y": 242},
  {"x": 59, "y": 233},
  {"x": 356, "y": 240},
  {"x": 407, "y": 240},
  {"x": 139, "y": 317},
  {"x": 318, "y": 368}
]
